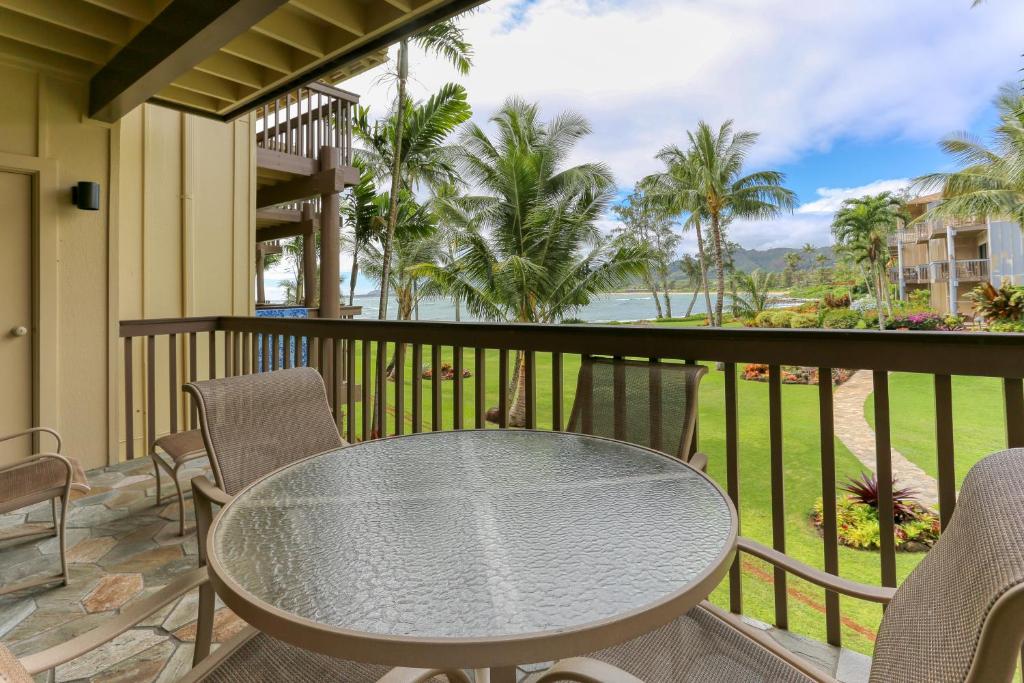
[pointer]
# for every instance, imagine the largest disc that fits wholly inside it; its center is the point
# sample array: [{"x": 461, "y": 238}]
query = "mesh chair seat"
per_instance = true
[
  {"x": 699, "y": 648},
  {"x": 182, "y": 446},
  {"x": 262, "y": 659},
  {"x": 39, "y": 477}
]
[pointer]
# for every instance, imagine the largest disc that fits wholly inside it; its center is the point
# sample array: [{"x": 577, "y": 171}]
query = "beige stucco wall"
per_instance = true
[{"x": 173, "y": 237}]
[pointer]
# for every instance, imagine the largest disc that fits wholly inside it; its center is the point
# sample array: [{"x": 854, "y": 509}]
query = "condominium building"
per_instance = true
[{"x": 949, "y": 257}]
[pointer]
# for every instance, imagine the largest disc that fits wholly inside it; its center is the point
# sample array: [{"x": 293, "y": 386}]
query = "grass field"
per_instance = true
[
  {"x": 802, "y": 480},
  {"x": 979, "y": 422}
]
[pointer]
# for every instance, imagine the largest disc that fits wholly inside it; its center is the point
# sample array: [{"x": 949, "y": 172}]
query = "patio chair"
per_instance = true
[
  {"x": 180, "y": 448},
  {"x": 252, "y": 425},
  {"x": 958, "y": 617},
  {"x": 41, "y": 477},
  {"x": 648, "y": 403},
  {"x": 249, "y": 657}
]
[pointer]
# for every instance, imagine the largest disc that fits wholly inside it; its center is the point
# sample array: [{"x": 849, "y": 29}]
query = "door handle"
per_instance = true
[{"x": 19, "y": 331}]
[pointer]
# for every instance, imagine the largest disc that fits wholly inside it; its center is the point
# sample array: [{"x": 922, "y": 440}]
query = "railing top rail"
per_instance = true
[
  {"x": 157, "y": 326},
  {"x": 331, "y": 91}
]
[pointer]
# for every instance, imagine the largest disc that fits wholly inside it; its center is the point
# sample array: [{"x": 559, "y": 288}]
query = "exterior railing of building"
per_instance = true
[
  {"x": 967, "y": 270},
  {"x": 375, "y": 356},
  {"x": 299, "y": 123}
]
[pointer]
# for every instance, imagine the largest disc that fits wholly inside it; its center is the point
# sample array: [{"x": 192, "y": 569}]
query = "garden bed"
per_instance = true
[{"x": 793, "y": 374}]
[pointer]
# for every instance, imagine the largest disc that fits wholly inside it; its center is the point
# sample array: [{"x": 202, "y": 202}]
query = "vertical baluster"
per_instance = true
[
  {"x": 654, "y": 403},
  {"x": 150, "y": 392},
  {"x": 382, "y": 389},
  {"x": 338, "y": 367},
  {"x": 732, "y": 477},
  {"x": 247, "y": 355},
  {"x": 273, "y": 143},
  {"x": 944, "y": 447},
  {"x": 417, "y": 388},
  {"x": 253, "y": 342},
  {"x": 289, "y": 342},
  {"x": 307, "y": 138},
  {"x": 828, "y": 501},
  {"x": 228, "y": 348},
  {"x": 129, "y": 402},
  {"x": 275, "y": 358},
  {"x": 238, "y": 352},
  {"x": 457, "y": 388},
  {"x": 619, "y": 399},
  {"x": 778, "y": 491},
  {"x": 367, "y": 381},
  {"x": 530, "y": 368},
  {"x": 883, "y": 466},
  {"x": 1013, "y": 394},
  {"x": 400, "y": 388},
  {"x": 326, "y": 366},
  {"x": 172, "y": 381},
  {"x": 266, "y": 340},
  {"x": 312, "y": 353},
  {"x": 480, "y": 388},
  {"x": 348, "y": 134},
  {"x": 503, "y": 388},
  {"x": 289, "y": 144},
  {"x": 350, "y": 389},
  {"x": 435, "y": 387},
  {"x": 585, "y": 398},
  {"x": 193, "y": 374},
  {"x": 556, "y": 392},
  {"x": 695, "y": 439},
  {"x": 212, "y": 353}
]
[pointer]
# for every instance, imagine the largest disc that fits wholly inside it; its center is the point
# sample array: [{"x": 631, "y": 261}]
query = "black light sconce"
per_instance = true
[{"x": 86, "y": 195}]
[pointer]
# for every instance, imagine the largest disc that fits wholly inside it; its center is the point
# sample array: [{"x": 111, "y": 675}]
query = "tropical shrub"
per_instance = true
[
  {"x": 857, "y": 527},
  {"x": 1007, "y": 326},
  {"x": 782, "y": 318},
  {"x": 841, "y": 319},
  {"x": 804, "y": 321},
  {"x": 864, "y": 490},
  {"x": 1005, "y": 303},
  {"x": 836, "y": 301},
  {"x": 793, "y": 374},
  {"x": 915, "y": 321}
]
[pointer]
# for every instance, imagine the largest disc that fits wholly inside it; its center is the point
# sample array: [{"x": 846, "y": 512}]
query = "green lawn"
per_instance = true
[
  {"x": 802, "y": 485},
  {"x": 979, "y": 422}
]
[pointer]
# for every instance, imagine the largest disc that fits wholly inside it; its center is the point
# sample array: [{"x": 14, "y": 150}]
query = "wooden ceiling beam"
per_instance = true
[
  {"x": 45, "y": 59},
  {"x": 136, "y": 10},
  {"x": 236, "y": 69},
  {"x": 345, "y": 14},
  {"x": 213, "y": 86},
  {"x": 404, "y": 5},
  {"x": 262, "y": 50},
  {"x": 76, "y": 16},
  {"x": 181, "y": 36},
  {"x": 186, "y": 98},
  {"x": 292, "y": 29},
  {"x": 54, "y": 38}
]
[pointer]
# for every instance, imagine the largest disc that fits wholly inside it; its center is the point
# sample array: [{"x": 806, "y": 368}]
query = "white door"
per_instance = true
[{"x": 16, "y": 333}]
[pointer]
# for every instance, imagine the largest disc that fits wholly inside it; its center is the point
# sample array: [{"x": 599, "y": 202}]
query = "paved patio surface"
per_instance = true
[{"x": 122, "y": 547}]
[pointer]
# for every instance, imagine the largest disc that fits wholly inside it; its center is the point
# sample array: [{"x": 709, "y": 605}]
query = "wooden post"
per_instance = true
[
  {"x": 308, "y": 258},
  {"x": 330, "y": 228},
  {"x": 261, "y": 289}
]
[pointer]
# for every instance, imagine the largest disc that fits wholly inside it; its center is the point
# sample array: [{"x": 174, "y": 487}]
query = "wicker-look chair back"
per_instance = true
[
  {"x": 254, "y": 424},
  {"x": 652, "y": 404},
  {"x": 959, "y": 616}
]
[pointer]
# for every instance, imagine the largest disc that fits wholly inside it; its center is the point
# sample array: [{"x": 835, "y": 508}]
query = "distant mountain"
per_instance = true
[{"x": 774, "y": 260}]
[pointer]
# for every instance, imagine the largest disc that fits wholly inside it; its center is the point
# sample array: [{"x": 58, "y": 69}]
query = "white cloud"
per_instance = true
[{"x": 830, "y": 198}]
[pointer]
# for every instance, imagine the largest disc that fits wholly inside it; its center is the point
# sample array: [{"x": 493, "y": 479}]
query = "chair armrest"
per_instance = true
[
  {"x": 814, "y": 575},
  {"x": 698, "y": 461},
  {"x": 129, "y": 617},
  {"x": 35, "y": 430},
  {"x": 210, "y": 491},
  {"x": 586, "y": 670}
]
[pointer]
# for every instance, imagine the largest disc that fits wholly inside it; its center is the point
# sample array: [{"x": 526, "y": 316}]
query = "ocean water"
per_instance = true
[{"x": 604, "y": 308}]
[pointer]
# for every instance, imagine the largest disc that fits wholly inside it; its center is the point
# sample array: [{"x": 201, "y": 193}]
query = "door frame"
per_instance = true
[{"x": 44, "y": 282}]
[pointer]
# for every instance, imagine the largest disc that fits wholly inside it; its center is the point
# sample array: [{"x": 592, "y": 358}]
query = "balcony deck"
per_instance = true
[{"x": 123, "y": 547}]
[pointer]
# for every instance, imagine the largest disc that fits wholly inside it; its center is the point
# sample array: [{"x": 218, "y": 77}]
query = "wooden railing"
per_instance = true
[
  {"x": 376, "y": 402},
  {"x": 302, "y": 122}
]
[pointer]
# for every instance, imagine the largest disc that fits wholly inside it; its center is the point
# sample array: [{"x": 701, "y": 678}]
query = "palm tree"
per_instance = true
[
  {"x": 793, "y": 261},
  {"x": 862, "y": 228},
  {"x": 444, "y": 39},
  {"x": 754, "y": 293},
  {"x": 360, "y": 209},
  {"x": 724, "y": 193},
  {"x": 991, "y": 180},
  {"x": 695, "y": 272},
  {"x": 457, "y": 217},
  {"x": 542, "y": 256}
]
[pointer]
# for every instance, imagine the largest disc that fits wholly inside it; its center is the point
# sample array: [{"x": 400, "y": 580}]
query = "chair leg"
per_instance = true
[
  {"x": 204, "y": 623},
  {"x": 156, "y": 471},
  {"x": 181, "y": 502},
  {"x": 65, "y": 571},
  {"x": 56, "y": 521}
]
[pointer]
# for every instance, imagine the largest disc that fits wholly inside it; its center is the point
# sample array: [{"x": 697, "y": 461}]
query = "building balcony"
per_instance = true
[{"x": 968, "y": 270}]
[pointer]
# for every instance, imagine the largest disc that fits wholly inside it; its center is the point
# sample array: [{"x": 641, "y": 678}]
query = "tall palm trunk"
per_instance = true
[
  {"x": 654, "y": 291},
  {"x": 879, "y": 304},
  {"x": 703, "y": 269},
  {"x": 665, "y": 293},
  {"x": 693, "y": 299},
  {"x": 396, "y": 178},
  {"x": 353, "y": 276},
  {"x": 716, "y": 235}
]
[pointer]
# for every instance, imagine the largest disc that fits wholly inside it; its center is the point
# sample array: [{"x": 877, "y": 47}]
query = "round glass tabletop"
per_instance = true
[{"x": 471, "y": 536}]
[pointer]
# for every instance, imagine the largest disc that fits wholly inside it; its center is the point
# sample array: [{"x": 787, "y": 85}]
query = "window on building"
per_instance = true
[{"x": 983, "y": 250}]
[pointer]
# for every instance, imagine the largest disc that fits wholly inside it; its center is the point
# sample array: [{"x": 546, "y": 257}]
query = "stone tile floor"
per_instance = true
[{"x": 122, "y": 547}]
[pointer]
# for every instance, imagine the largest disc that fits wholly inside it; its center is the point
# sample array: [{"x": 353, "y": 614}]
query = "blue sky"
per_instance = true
[{"x": 849, "y": 96}]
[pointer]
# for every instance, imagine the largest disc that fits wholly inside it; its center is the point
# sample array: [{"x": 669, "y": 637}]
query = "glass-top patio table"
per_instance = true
[{"x": 472, "y": 549}]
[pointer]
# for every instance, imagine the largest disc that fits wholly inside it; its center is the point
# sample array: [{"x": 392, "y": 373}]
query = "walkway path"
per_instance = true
[{"x": 857, "y": 435}]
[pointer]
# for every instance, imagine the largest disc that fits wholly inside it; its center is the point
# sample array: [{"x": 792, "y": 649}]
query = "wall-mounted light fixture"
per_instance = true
[{"x": 86, "y": 195}]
